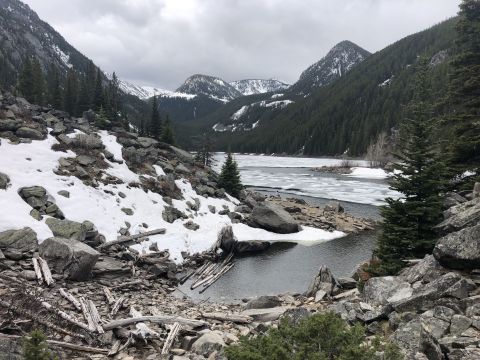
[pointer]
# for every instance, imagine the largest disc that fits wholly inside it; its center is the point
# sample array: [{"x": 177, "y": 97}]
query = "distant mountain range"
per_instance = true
[{"x": 258, "y": 86}]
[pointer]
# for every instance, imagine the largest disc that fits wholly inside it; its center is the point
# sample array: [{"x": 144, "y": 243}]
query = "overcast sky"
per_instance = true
[{"x": 162, "y": 42}]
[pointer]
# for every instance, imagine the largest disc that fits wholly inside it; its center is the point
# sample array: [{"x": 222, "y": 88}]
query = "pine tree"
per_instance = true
[
  {"x": 98, "y": 96},
  {"x": 25, "y": 81},
  {"x": 35, "y": 347},
  {"x": 155, "y": 127},
  {"x": 101, "y": 120},
  {"x": 114, "y": 93},
  {"x": 464, "y": 94},
  {"x": 168, "y": 135},
  {"x": 407, "y": 229},
  {"x": 54, "y": 88},
  {"x": 230, "y": 177},
  {"x": 204, "y": 153},
  {"x": 70, "y": 96},
  {"x": 38, "y": 83}
]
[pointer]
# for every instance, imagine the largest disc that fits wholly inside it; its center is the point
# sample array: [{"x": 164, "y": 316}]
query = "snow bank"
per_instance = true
[
  {"x": 34, "y": 164},
  {"x": 368, "y": 173}
]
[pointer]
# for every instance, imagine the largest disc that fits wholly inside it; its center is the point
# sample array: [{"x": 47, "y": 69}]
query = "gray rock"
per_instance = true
[
  {"x": 182, "y": 154},
  {"x": 36, "y": 214},
  {"x": 425, "y": 297},
  {"x": 464, "y": 354},
  {"x": 64, "y": 193},
  {"x": 81, "y": 173},
  {"x": 427, "y": 269},
  {"x": 146, "y": 142},
  {"x": 386, "y": 290},
  {"x": 273, "y": 218},
  {"x": 429, "y": 346},
  {"x": 296, "y": 315},
  {"x": 460, "y": 250},
  {"x": 170, "y": 214},
  {"x": 182, "y": 169},
  {"x": 476, "y": 190},
  {"x": 347, "y": 283},
  {"x": 324, "y": 280},
  {"x": 212, "y": 209},
  {"x": 67, "y": 229},
  {"x": 127, "y": 211},
  {"x": 436, "y": 327},
  {"x": 334, "y": 206},
  {"x": 443, "y": 313},
  {"x": 58, "y": 128},
  {"x": 25, "y": 132},
  {"x": 24, "y": 239},
  {"x": 459, "y": 324},
  {"x": 85, "y": 160},
  {"x": 70, "y": 257},
  {"x": 190, "y": 225},
  {"x": 4, "y": 181},
  {"x": 9, "y": 125},
  {"x": 461, "y": 216},
  {"x": 65, "y": 139},
  {"x": 87, "y": 141},
  {"x": 407, "y": 337},
  {"x": 35, "y": 191},
  {"x": 252, "y": 246},
  {"x": 243, "y": 209},
  {"x": 208, "y": 342},
  {"x": 205, "y": 190},
  {"x": 264, "y": 302},
  {"x": 452, "y": 199}
]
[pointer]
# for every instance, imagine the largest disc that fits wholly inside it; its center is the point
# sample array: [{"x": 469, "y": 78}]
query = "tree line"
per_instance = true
[{"x": 427, "y": 167}]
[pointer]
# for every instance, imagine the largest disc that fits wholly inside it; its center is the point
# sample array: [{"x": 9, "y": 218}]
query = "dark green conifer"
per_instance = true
[
  {"x": 168, "y": 135},
  {"x": 407, "y": 228},
  {"x": 38, "y": 83},
  {"x": 98, "y": 96},
  {"x": 25, "y": 80},
  {"x": 35, "y": 347},
  {"x": 155, "y": 126},
  {"x": 70, "y": 96},
  {"x": 101, "y": 120},
  {"x": 230, "y": 177},
  {"x": 54, "y": 88},
  {"x": 464, "y": 95}
]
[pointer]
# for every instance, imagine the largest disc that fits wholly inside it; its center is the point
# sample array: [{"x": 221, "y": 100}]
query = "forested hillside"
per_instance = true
[{"x": 350, "y": 113}]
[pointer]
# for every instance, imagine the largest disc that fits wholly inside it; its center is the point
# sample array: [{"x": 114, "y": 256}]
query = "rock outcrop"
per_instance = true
[
  {"x": 23, "y": 240},
  {"x": 273, "y": 218},
  {"x": 460, "y": 250},
  {"x": 72, "y": 258}
]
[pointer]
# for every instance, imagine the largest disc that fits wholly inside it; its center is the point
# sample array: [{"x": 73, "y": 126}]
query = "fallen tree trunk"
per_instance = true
[
  {"x": 47, "y": 275},
  {"x": 71, "y": 298},
  {"x": 235, "y": 318},
  {"x": 62, "y": 344},
  {"x": 65, "y": 316},
  {"x": 171, "y": 338},
  {"x": 161, "y": 319},
  {"x": 38, "y": 271},
  {"x": 124, "y": 239}
]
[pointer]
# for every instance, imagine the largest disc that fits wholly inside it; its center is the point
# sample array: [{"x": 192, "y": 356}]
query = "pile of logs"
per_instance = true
[{"x": 207, "y": 274}]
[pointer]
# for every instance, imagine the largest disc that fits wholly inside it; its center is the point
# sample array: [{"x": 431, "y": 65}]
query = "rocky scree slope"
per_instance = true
[
  {"x": 258, "y": 86},
  {"x": 210, "y": 86}
]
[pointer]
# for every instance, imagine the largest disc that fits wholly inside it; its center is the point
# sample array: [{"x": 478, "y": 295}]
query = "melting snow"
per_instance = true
[{"x": 34, "y": 164}]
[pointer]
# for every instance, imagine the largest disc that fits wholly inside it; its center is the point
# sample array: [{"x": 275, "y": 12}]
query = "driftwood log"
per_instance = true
[
  {"x": 235, "y": 318},
  {"x": 126, "y": 239},
  {"x": 161, "y": 319}
]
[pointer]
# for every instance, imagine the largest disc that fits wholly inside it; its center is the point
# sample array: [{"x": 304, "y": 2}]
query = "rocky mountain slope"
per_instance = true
[
  {"x": 258, "y": 86},
  {"x": 210, "y": 86},
  {"x": 348, "y": 114},
  {"x": 340, "y": 59},
  {"x": 244, "y": 114}
]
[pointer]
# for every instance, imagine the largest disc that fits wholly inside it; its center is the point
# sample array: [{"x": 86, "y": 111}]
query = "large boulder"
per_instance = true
[
  {"x": 23, "y": 240},
  {"x": 209, "y": 342},
  {"x": 459, "y": 250},
  {"x": 386, "y": 290},
  {"x": 28, "y": 133},
  {"x": 427, "y": 269},
  {"x": 9, "y": 124},
  {"x": 182, "y": 154},
  {"x": 67, "y": 229},
  {"x": 264, "y": 302},
  {"x": 460, "y": 217},
  {"x": 273, "y": 218},
  {"x": 70, "y": 257}
]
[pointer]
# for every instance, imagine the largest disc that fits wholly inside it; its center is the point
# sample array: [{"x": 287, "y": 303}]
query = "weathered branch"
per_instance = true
[
  {"x": 124, "y": 239},
  {"x": 161, "y": 319}
]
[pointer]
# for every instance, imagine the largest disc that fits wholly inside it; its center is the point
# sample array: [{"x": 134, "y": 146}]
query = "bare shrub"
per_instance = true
[
  {"x": 346, "y": 163},
  {"x": 378, "y": 152}
]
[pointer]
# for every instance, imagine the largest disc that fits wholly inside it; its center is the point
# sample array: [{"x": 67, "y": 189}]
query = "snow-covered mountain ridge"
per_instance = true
[{"x": 258, "y": 86}]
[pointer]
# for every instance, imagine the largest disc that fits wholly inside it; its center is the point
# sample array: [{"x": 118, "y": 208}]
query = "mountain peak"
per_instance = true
[
  {"x": 258, "y": 86},
  {"x": 210, "y": 86},
  {"x": 339, "y": 60}
]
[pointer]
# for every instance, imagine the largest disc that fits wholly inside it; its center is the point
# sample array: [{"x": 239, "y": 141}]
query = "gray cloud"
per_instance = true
[{"x": 162, "y": 42}]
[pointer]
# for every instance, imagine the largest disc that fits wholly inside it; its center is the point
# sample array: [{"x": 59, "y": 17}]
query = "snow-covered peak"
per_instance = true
[
  {"x": 147, "y": 92},
  {"x": 258, "y": 86},
  {"x": 210, "y": 86},
  {"x": 339, "y": 60}
]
